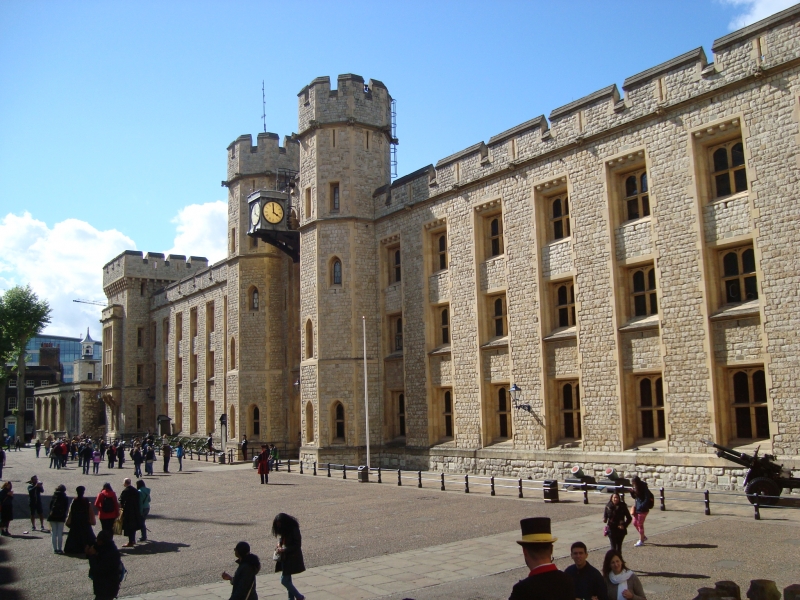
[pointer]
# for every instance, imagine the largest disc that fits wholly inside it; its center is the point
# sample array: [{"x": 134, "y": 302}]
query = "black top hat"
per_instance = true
[{"x": 536, "y": 530}]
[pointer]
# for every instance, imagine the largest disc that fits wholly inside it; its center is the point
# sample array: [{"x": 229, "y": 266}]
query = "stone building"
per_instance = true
[{"x": 606, "y": 286}]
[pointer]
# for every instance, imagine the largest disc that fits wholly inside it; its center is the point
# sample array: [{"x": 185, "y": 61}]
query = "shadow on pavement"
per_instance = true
[
  {"x": 153, "y": 548},
  {"x": 672, "y": 575},
  {"x": 8, "y": 574},
  {"x": 191, "y": 520},
  {"x": 686, "y": 546}
]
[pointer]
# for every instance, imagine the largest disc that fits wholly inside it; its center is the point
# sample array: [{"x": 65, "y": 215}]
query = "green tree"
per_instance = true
[{"x": 22, "y": 316}]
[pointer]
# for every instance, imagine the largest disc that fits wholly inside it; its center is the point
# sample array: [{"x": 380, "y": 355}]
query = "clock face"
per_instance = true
[
  {"x": 273, "y": 212},
  {"x": 255, "y": 214}
]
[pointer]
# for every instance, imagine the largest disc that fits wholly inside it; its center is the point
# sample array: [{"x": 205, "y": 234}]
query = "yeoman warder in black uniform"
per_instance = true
[{"x": 545, "y": 581}]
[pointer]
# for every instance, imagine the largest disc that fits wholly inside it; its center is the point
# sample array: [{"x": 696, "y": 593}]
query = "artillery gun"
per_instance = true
[{"x": 765, "y": 478}]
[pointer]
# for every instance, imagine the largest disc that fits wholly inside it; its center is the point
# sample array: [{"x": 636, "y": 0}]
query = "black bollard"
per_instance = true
[
  {"x": 663, "y": 500},
  {"x": 288, "y": 465},
  {"x": 466, "y": 484},
  {"x": 419, "y": 479},
  {"x": 379, "y": 475},
  {"x": 442, "y": 481},
  {"x": 301, "y": 466},
  {"x": 585, "y": 493},
  {"x": 329, "y": 469},
  {"x": 707, "y": 502},
  {"x": 756, "y": 507},
  {"x": 492, "y": 483},
  {"x": 399, "y": 480},
  {"x": 344, "y": 471},
  {"x": 315, "y": 468},
  {"x": 519, "y": 487}
]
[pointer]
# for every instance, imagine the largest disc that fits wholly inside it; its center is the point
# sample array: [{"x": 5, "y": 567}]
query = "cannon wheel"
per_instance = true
[{"x": 767, "y": 487}]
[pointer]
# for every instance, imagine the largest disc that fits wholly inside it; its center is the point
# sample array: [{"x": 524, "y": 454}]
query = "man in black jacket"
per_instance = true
[
  {"x": 545, "y": 581},
  {"x": 104, "y": 566},
  {"x": 244, "y": 580},
  {"x": 588, "y": 581}
]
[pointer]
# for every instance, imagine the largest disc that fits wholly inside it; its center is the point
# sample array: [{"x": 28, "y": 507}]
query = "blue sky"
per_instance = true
[{"x": 115, "y": 116}]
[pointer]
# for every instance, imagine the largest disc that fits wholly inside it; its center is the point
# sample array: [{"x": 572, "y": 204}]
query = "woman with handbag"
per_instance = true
[
  {"x": 288, "y": 554},
  {"x": 59, "y": 504},
  {"x": 617, "y": 518},
  {"x": 80, "y": 520},
  {"x": 263, "y": 464}
]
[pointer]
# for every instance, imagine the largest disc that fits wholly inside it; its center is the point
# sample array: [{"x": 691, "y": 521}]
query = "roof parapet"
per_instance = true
[
  {"x": 695, "y": 56},
  {"x": 607, "y": 93},
  {"x": 751, "y": 30}
]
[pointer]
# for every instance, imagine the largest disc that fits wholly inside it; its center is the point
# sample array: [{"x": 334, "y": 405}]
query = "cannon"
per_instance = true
[{"x": 765, "y": 479}]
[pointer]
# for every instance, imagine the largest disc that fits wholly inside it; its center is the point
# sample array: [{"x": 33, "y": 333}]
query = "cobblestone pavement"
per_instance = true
[{"x": 364, "y": 541}]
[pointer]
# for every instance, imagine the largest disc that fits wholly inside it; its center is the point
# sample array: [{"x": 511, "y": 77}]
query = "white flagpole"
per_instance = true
[{"x": 366, "y": 388}]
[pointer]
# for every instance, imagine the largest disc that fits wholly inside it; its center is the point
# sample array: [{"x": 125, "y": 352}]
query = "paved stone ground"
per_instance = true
[{"x": 363, "y": 541}]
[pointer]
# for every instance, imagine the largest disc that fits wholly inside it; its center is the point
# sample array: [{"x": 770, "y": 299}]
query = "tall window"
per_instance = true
[
  {"x": 571, "y": 410},
  {"x": 495, "y": 236},
  {"x": 140, "y": 336},
  {"x": 637, "y": 198},
  {"x": 448, "y": 414},
  {"x": 309, "y": 339},
  {"x": 441, "y": 252},
  {"x": 254, "y": 299},
  {"x": 395, "y": 272},
  {"x": 401, "y": 414},
  {"x": 256, "y": 422},
  {"x": 339, "y": 421},
  {"x": 336, "y": 272},
  {"x": 751, "y": 418},
  {"x": 232, "y": 422},
  {"x": 565, "y": 304},
  {"x": 559, "y": 217},
  {"x": 502, "y": 412},
  {"x": 445, "y": 326},
  {"x": 739, "y": 275},
  {"x": 139, "y": 414},
  {"x": 729, "y": 170},
  {"x": 334, "y": 197},
  {"x": 499, "y": 316},
  {"x": 139, "y": 374},
  {"x": 651, "y": 407},
  {"x": 233, "y": 354},
  {"x": 307, "y": 206},
  {"x": 645, "y": 297},
  {"x": 309, "y": 422},
  {"x": 398, "y": 334}
]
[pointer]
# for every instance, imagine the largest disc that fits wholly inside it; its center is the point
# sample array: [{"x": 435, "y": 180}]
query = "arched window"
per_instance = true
[
  {"x": 398, "y": 334},
  {"x": 445, "y": 326},
  {"x": 496, "y": 236},
  {"x": 502, "y": 412},
  {"x": 499, "y": 317},
  {"x": 309, "y": 423},
  {"x": 637, "y": 197},
  {"x": 560, "y": 218},
  {"x": 739, "y": 275},
  {"x": 232, "y": 422},
  {"x": 233, "y": 354},
  {"x": 401, "y": 414},
  {"x": 645, "y": 298},
  {"x": 750, "y": 404},
  {"x": 256, "y": 422},
  {"x": 397, "y": 271},
  {"x": 448, "y": 414},
  {"x": 254, "y": 299},
  {"x": 565, "y": 302},
  {"x": 730, "y": 172},
  {"x": 651, "y": 407},
  {"x": 339, "y": 421},
  {"x": 336, "y": 272},
  {"x": 442, "y": 251},
  {"x": 571, "y": 410},
  {"x": 309, "y": 339}
]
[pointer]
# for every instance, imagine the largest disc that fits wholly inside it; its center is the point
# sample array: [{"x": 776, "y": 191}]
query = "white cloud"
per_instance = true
[
  {"x": 755, "y": 10},
  {"x": 61, "y": 263},
  {"x": 201, "y": 231}
]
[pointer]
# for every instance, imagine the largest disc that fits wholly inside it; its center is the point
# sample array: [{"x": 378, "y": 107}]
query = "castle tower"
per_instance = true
[
  {"x": 260, "y": 314},
  {"x": 345, "y": 137}
]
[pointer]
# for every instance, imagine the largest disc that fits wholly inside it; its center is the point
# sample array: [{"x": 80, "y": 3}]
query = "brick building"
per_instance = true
[{"x": 630, "y": 263}]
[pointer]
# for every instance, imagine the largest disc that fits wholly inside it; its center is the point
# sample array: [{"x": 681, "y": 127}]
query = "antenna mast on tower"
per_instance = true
[{"x": 263, "y": 107}]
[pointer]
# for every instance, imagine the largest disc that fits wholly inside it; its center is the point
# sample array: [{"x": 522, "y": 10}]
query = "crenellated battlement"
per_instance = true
[
  {"x": 152, "y": 265},
  {"x": 740, "y": 58},
  {"x": 266, "y": 157},
  {"x": 351, "y": 102}
]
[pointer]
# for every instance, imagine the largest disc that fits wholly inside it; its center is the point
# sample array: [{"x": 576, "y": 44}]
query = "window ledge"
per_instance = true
[
  {"x": 398, "y": 355},
  {"x": 724, "y": 199},
  {"x": 570, "y": 444},
  {"x": 392, "y": 286},
  {"x": 444, "y": 349},
  {"x": 631, "y": 222},
  {"x": 649, "y": 444},
  {"x": 562, "y": 333},
  {"x": 559, "y": 241},
  {"x": 496, "y": 342},
  {"x": 734, "y": 311},
  {"x": 641, "y": 323}
]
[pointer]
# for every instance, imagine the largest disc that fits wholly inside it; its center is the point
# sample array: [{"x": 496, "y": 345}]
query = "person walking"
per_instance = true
[
  {"x": 80, "y": 520},
  {"x": 96, "y": 458},
  {"x": 244, "y": 579},
  {"x": 38, "y": 446},
  {"x": 2, "y": 461},
  {"x": 59, "y": 505},
  {"x": 545, "y": 581},
  {"x": 35, "y": 490},
  {"x": 244, "y": 448},
  {"x": 179, "y": 454},
  {"x": 87, "y": 454},
  {"x": 112, "y": 455},
  {"x": 621, "y": 582},
  {"x": 289, "y": 549},
  {"x": 149, "y": 459},
  {"x": 144, "y": 506},
  {"x": 104, "y": 566},
  {"x": 166, "y": 453},
  {"x": 107, "y": 507},
  {"x": 588, "y": 581},
  {"x": 6, "y": 507},
  {"x": 121, "y": 455},
  {"x": 263, "y": 464},
  {"x": 138, "y": 459},
  {"x": 17, "y": 444},
  {"x": 131, "y": 516},
  {"x": 617, "y": 517},
  {"x": 53, "y": 457},
  {"x": 103, "y": 448},
  {"x": 644, "y": 501}
]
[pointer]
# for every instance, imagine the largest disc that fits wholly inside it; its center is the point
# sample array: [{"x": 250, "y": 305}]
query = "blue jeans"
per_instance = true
[{"x": 286, "y": 581}]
